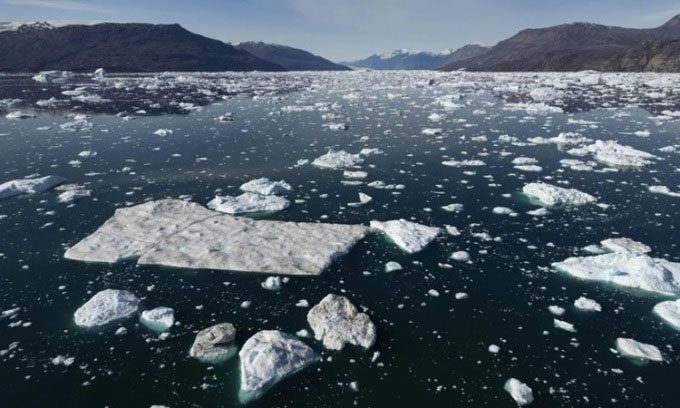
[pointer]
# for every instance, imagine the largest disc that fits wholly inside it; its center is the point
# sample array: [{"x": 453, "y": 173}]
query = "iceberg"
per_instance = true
[
  {"x": 264, "y": 186},
  {"x": 247, "y": 203},
  {"x": 550, "y": 195},
  {"x": 583, "y": 303},
  {"x": 268, "y": 357},
  {"x": 186, "y": 235},
  {"x": 630, "y": 270},
  {"x": 159, "y": 319},
  {"x": 635, "y": 349},
  {"x": 409, "y": 236},
  {"x": 612, "y": 153},
  {"x": 625, "y": 246},
  {"x": 336, "y": 322},
  {"x": 338, "y": 160},
  {"x": 663, "y": 190},
  {"x": 669, "y": 311},
  {"x": 214, "y": 344},
  {"x": 105, "y": 307},
  {"x": 29, "y": 186},
  {"x": 520, "y": 392}
]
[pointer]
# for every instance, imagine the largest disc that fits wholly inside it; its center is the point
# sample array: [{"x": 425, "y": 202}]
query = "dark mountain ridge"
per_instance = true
[
  {"x": 117, "y": 47},
  {"x": 566, "y": 47},
  {"x": 292, "y": 59}
]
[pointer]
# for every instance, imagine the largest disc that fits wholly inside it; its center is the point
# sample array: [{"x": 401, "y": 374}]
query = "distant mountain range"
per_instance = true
[
  {"x": 412, "y": 60},
  {"x": 292, "y": 59},
  {"x": 582, "y": 46},
  {"x": 133, "y": 47}
]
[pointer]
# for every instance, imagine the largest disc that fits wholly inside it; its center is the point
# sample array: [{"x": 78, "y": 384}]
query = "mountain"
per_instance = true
[
  {"x": 118, "y": 47},
  {"x": 566, "y": 47},
  {"x": 292, "y": 59},
  {"x": 411, "y": 59},
  {"x": 654, "y": 56}
]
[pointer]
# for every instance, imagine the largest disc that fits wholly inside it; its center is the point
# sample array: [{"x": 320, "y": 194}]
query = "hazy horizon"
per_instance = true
[{"x": 352, "y": 29}]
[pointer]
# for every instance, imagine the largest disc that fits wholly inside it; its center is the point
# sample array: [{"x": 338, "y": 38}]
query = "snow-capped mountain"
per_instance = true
[{"x": 414, "y": 59}]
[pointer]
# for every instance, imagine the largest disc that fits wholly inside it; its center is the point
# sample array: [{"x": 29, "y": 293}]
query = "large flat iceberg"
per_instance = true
[
  {"x": 186, "y": 235},
  {"x": 626, "y": 269}
]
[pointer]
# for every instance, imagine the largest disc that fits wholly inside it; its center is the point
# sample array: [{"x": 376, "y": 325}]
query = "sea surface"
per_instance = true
[{"x": 433, "y": 350}]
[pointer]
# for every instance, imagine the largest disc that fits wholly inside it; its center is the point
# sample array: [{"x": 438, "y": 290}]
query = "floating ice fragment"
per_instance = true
[
  {"x": 265, "y": 186},
  {"x": 625, "y": 246},
  {"x": 159, "y": 319},
  {"x": 520, "y": 392},
  {"x": 409, "y": 236},
  {"x": 392, "y": 266},
  {"x": 269, "y": 356},
  {"x": 635, "y": 349},
  {"x": 561, "y": 324},
  {"x": 105, "y": 307},
  {"x": 28, "y": 186},
  {"x": 550, "y": 195},
  {"x": 583, "y": 303},
  {"x": 336, "y": 322},
  {"x": 247, "y": 203},
  {"x": 214, "y": 344}
]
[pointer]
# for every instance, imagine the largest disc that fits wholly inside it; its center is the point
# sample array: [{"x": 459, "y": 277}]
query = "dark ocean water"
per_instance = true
[{"x": 433, "y": 350}]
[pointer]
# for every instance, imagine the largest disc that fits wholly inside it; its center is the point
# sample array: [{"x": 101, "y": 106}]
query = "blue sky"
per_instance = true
[{"x": 350, "y": 29}]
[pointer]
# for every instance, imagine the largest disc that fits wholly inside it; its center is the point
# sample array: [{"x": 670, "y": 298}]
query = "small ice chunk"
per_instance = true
[
  {"x": 583, "y": 303},
  {"x": 392, "y": 266},
  {"x": 214, "y": 344},
  {"x": 158, "y": 319},
  {"x": 73, "y": 195},
  {"x": 248, "y": 202},
  {"x": 460, "y": 256},
  {"x": 105, "y": 307},
  {"x": 663, "y": 190},
  {"x": 409, "y": 236},
  {"x": 272, "y": 283},
  {"x": 520, "y": 392},
  {"x": 265, "y": 186},
  {"x": 365, "y": 198},
  {"x": 633, "y": 348},
  {"x": 556, "y": 310},
  {"x": 561, "y": 324},
  {"x": 163, "y": 132},
  {"x": 455, "y": 207}
]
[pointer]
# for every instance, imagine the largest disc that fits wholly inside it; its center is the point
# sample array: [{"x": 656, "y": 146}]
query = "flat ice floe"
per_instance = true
[
  {"x": 248, "y": 203},
  {"x": 105, "y": 307},
  {"x": 520, "y": 392},
  {"x": 663, "y": 190},
  {"x": 626, "y": 269},
  {"x": 625, "y": 246},
  {"x": 29, "y": 186},
  {"x": 635, "y": 349},
  {"x": 336, "y": 321},
  {"x": 265, "y": 186},
  {"x": 268, "y": 357},
  {"x": 409, "y": 236},
  {"x": 669, "y": 311},
  {"x": 338, "y": 160},
  {"x": 550, "y": 195},
  {"x": 186, "y": 235},
  {"x": 614, "y": 154}
]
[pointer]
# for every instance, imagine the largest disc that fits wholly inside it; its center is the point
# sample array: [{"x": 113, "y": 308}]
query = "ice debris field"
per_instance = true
[{"x": 339, "y": 239}]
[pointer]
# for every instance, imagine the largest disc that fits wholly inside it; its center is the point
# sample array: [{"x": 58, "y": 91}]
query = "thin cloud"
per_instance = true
[{"x": 58, "y": 5}]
